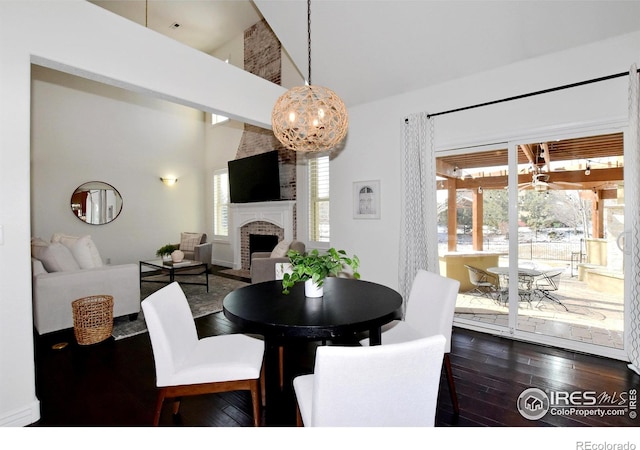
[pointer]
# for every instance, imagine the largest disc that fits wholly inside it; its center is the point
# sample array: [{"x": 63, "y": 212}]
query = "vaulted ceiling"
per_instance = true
[{"x": 366, "y": 50}]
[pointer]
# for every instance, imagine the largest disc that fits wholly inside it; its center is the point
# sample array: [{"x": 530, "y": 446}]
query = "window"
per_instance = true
[
  {"x": 319, "y": 199},
  {"x": 221, "y": 202},
  {"x": 217, "y": 118}
]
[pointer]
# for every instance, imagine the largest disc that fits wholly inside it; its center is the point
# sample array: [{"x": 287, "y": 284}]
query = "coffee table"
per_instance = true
[{"x": 160, "y": 267}]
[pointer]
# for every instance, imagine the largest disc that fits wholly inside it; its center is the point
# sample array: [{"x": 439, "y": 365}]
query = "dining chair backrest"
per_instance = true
[
  {"x": 552, "y": 278},
  {"x": 431, "y": 304},
  {"x": 383, "y": 385},
  {"x": 476, "y": 276},
  {"x": 171, "y": 328}
]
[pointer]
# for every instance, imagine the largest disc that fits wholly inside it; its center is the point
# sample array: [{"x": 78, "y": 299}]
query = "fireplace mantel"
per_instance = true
[{"x": 279, "y": 213}]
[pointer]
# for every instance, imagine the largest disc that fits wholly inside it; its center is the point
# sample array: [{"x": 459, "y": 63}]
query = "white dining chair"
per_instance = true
[
  {"x": 384, "y": 385},
  {"x": 429, "y": 311},
  {"x": 186, "y": 365}
]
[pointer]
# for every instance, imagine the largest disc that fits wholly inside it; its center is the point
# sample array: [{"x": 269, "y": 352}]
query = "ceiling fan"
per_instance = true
[
  {"x": 539, "y": 183},
  {"x": 539, "y": 157}
]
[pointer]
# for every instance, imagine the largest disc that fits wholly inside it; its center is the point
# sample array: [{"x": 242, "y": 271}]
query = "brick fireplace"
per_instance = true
[
  {"x": 262, "y": 57},
  {"x": 261, "y": 218}
]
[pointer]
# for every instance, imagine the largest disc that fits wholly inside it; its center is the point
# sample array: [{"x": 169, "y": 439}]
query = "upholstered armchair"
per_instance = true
[
  {"x": 263, "y": 264},
  {"x": 196, "y": 248}
]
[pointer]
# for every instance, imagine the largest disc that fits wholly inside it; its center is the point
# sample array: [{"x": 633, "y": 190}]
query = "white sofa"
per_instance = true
[{"x": 54, "y": 289}]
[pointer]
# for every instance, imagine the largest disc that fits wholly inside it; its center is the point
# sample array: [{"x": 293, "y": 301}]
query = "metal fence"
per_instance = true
[
  {"x": 530, "y": 249},
  {"x": 568, "y": 250}
]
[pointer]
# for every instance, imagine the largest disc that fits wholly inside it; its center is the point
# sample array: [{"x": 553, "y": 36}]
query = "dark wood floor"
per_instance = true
[{"x": 113, "y": 383}]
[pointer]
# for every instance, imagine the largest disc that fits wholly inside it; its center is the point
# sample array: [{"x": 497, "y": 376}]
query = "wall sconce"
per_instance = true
[
  {"x": 479, "y": 189},
  {"x": 169, "y": 181},
  {"x": 588, "y": 171}
]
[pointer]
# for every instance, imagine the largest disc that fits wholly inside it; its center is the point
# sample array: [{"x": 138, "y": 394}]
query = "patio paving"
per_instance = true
[{"x": 593, "y": 317}]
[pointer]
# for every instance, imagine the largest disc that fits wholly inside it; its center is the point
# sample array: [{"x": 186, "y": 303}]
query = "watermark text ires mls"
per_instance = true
[{"x": 534, "y": 404}]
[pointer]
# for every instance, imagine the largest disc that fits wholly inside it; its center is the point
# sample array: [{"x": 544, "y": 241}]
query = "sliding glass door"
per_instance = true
[
  {"x": 531, "y": 229},
  {"x": 570, "y": 212},
  {"x": 473, "y": 231}
]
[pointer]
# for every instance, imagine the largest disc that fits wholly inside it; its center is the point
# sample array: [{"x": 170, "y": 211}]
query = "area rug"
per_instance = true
[
  {"x": 244, "y": 273},
  {"x": 200, "y": 301}
]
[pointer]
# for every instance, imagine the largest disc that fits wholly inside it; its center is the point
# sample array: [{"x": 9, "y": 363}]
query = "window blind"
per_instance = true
[
  {"x": 221, "y": 203},
  {"x": 319, "y": 199}
]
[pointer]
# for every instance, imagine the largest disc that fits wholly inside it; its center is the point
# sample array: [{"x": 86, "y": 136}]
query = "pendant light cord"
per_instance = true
[{"x": 309, "y": 37}]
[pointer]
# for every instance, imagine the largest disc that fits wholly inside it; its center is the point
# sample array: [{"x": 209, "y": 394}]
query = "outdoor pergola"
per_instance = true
[{"x": 591, "y": 165}]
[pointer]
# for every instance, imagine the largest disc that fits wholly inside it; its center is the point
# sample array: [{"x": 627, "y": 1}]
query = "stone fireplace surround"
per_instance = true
[{"x": 279, "y": 218}]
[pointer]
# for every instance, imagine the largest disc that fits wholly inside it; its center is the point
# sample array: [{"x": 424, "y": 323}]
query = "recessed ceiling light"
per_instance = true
[{"x": 175, "y": 25}]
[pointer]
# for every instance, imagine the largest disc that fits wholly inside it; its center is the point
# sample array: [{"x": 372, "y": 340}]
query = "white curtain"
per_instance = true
[
  {"x": 418, "y": 217},
  {"x": 632, "y": 223}
]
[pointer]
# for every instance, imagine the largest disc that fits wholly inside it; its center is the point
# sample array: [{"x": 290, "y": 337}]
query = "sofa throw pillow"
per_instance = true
[
  {"x": 188, "y": 241},
  {"x": 82, "y": 248},
  {"x": 86, "y": 253},
  {"x": 36, "y": 246},
  {"x": 64, "y": 239},
  {"x": 280, "y": 250},
  {"x": 55, "y": 257},
  {"x": 37, "y": 267}
]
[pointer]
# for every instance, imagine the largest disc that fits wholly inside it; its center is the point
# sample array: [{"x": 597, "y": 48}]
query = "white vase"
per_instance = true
[
  {"x": 311, "y": 289},
  {"x": 177, "y": 256}
]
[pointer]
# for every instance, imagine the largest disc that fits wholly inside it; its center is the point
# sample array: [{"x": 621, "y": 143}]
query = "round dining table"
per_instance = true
[
  {"x": 347, "y": 306},
  {"x": 526, "y": 282}
]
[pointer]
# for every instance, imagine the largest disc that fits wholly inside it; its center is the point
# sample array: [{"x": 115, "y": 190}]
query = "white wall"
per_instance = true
[
  {"x": 84, "y": 131},
  {"x": 80, "y": 38},
  {"x": 373, "y": 147}
]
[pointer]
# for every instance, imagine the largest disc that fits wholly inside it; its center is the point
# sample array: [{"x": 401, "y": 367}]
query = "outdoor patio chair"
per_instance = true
[
  {"x": 484, "y": 283},
  {"x": 546, "y": 284}
]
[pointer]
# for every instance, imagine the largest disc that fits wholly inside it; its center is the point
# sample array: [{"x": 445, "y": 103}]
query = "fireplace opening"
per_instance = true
[{"x": 261, "y": 243}]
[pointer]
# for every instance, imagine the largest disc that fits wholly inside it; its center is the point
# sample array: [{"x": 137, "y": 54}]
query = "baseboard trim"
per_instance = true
[{"x": 21, "y": 417}]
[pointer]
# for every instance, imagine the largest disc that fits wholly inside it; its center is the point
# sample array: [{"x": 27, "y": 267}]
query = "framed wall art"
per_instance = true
[{"x": 366, "y": 199}]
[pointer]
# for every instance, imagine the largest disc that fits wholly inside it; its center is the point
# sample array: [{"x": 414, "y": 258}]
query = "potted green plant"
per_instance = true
[
  {"x": 166, "y": 250},
  {"x": 313, "y": 267}
]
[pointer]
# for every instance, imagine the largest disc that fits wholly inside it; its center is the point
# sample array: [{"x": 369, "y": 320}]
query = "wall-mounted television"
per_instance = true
[{"x": 255, "y": 178}]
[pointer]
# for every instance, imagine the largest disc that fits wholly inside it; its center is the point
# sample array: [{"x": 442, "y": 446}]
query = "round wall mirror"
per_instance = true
[{"x": 96, "y": 203}]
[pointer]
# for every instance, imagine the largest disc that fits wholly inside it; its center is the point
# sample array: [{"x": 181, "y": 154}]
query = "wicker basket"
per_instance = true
[{"x": 92, "y": 318}]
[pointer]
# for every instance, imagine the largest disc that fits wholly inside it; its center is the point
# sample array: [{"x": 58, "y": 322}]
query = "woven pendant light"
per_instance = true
[{"x": 309, "y": 118}]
